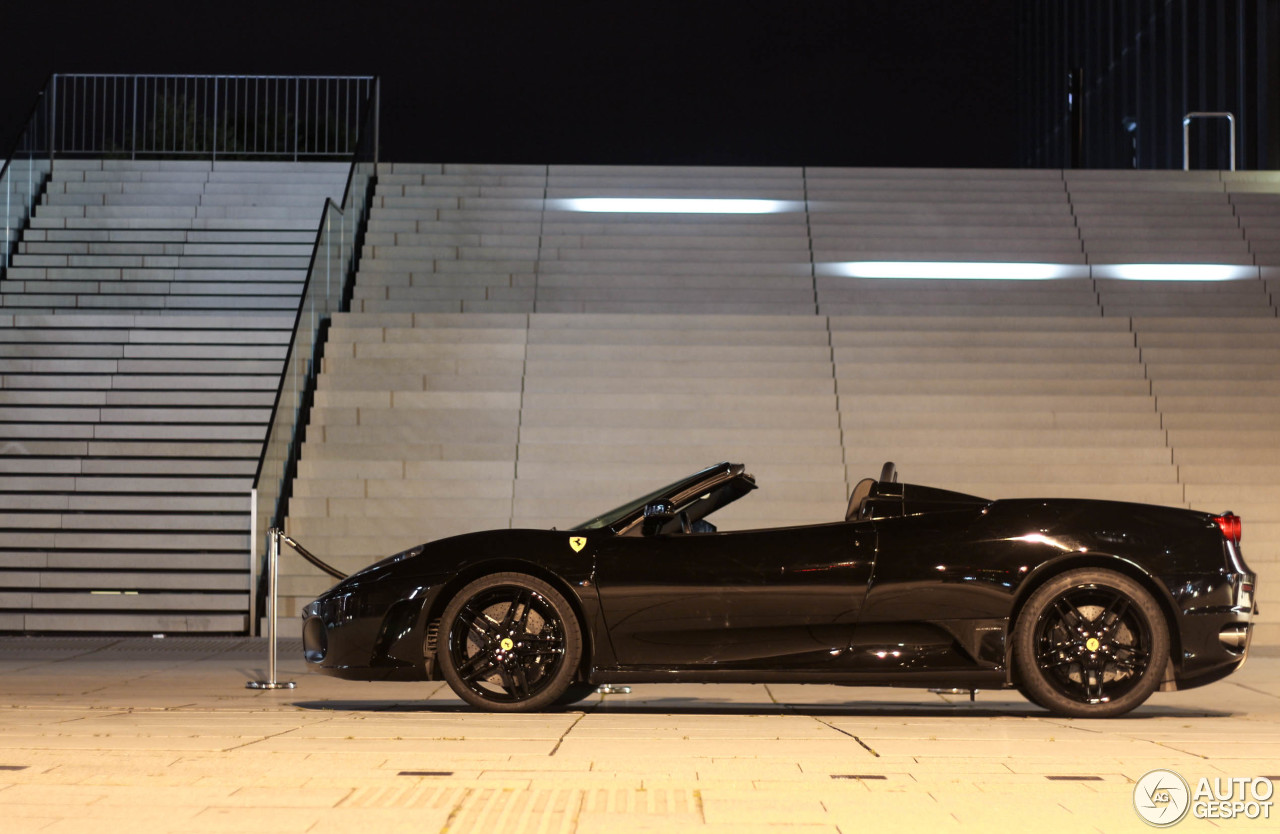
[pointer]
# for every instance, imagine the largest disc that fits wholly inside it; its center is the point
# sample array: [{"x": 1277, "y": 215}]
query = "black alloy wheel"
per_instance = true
[
  {"x": 1090, "y": 643},
  {"x": 511, "y": 643}
]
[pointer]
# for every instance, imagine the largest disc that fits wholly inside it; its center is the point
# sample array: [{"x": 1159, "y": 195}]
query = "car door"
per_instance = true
[{"x": 784, "y": 598}]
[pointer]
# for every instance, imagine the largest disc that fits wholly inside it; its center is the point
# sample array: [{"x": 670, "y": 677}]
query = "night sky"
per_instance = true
[{"x": 877, "y": 83}]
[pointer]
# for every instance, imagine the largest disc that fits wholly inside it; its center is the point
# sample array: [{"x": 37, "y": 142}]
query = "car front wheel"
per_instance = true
[
  {"x": 511, "y": 643},
  {"x": 1090, "y": 643}
]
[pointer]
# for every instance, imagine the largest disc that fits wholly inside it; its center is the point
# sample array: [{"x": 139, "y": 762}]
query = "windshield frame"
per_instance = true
[{"x": 624, "y": 516}]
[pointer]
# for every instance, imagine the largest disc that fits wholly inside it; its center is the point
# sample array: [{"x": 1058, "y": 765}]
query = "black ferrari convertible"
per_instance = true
[{"x": 1086, "y": 607}]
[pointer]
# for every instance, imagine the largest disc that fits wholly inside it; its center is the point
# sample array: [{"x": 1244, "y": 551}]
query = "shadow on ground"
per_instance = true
[{"x": 682, "y": 706}]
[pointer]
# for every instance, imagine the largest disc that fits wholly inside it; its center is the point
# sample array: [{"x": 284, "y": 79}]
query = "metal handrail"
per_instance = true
[
  {"x": 18, "y": 141},
  {"x": 341, "y": 228},
  {"x": 29, "y": 143},
  {"x": 1186, "y": 135},
  {"x": 208, "y": 116}
]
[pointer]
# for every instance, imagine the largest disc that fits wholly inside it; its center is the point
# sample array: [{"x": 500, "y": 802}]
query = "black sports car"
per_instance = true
[{"x": 1086, "y": 607}]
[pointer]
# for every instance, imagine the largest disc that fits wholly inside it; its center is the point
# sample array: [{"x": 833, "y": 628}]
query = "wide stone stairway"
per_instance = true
[
  {"x": 143, "y": 324},
  {"x": 513, "y": 360}
]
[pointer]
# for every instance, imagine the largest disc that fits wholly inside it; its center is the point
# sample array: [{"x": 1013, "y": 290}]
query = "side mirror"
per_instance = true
[{"x": 656, "y": 517}]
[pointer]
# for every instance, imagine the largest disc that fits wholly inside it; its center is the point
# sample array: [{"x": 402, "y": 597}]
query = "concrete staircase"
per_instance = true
[
  {"x": 143, "y": 325},
  {"x": 512, "y": 362}
]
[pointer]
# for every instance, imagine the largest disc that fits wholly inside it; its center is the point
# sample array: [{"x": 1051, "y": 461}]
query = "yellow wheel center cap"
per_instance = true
[
  {"x": 1092, "y": 644},
  {"x": 507, "y": 644}
]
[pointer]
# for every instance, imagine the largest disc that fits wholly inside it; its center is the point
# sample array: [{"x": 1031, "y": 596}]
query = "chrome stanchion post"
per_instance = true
[
  {"x": 254, "y": 626},
  {"x": 273, "y": 563}
]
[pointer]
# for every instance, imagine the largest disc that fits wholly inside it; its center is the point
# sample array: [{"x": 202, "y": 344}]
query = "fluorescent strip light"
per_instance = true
[
  {"x": 1175, "y": 272},
  {"x": 957, "y": 270},
  {"x": 676, "y": 205}
]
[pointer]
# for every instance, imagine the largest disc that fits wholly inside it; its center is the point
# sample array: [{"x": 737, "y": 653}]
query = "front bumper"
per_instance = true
[{"x": 355, "y": 635}]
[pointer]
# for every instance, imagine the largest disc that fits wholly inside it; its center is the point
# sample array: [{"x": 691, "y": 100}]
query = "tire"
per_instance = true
[
  {"x": 511, "y": 643},
  {"x": 575, "y": 693},
  {"x": 1090, "y": 643}
]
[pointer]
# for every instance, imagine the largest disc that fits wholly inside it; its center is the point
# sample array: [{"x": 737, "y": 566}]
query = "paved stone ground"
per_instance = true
[{"x": 145, "y": 735}]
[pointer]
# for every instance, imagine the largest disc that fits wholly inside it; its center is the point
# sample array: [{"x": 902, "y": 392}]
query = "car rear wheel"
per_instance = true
[
  {"x": 1090, "y": 643},
  {"x": 511, "y": 643}
]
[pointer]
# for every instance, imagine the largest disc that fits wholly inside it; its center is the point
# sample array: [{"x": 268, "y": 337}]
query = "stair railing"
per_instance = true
[
  {"x": 1186, "y": 135},
  {"x": 330, "y": 277},
  {"x": 23, "y": 174},
  {"x": 291, "y": 117}
]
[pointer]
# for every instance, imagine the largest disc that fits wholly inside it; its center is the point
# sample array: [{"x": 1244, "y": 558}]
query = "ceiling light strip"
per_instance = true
[
  {"x": 1029, "y": 271},
  {"x": 675, "y": 205}
]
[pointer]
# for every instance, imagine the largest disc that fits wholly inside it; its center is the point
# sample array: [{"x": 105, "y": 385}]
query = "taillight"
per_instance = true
[{"x": 1229, "y": 524}]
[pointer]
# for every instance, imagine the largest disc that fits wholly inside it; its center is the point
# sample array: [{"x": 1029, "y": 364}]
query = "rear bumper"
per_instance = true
[{"x": 1216, "y": 638}]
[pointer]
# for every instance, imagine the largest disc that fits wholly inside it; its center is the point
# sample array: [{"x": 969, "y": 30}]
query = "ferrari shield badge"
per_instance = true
[{"x": 577, "y": 543}]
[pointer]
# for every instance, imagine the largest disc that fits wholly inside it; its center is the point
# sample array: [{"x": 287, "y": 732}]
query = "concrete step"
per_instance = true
[
  {"x": 910, "y": 453},
  {"x": 1192, "y": 404},
  {"x": 1233, "y": 455},
  {"x": 128, "y": 621},
  {"x": 851, "y": 374},
  {"x": 927, "y": 417}
]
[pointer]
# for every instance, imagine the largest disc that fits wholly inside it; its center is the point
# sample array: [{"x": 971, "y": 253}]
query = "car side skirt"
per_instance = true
[{"x": 958, "y": 679}]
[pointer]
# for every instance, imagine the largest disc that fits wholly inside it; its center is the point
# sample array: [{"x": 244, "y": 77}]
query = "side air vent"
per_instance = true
[{"x": 433, "y": 637}]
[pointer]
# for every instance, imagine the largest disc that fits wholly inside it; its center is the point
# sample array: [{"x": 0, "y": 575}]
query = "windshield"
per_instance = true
[{"x": 617, "y": 514}]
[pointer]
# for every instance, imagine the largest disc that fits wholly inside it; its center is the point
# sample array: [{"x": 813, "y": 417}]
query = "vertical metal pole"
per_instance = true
[
  {"x": 377, "y": 119},
  {"x": 53, "y": 118},
  {"x": 1075, "y": 99},
  {"x": 6, "y": 220},
  {"x": 273, "y": 562},
  {"x": 253, "y": 561},
  {"x": 1231, "y": 124},
  {"x": 347, "y": 214},
  {"x": 133, "y": 122},
  {"x": 273, "y": 568},
  {"x": 215, "y": 118}
]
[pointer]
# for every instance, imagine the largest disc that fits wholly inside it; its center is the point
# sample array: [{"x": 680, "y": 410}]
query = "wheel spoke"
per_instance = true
[
  {"x": 520, "y": 602},
  {"x": 479, "y": 665},
  {"x": 1068, "y": 613},
  {"x": 1114, "y": 613},
  {"x": 540, "y": 644},
  {"x": 1130, "y": 659},
  {"x": 1058, "y": 661},
  {"x": 479, "y": 622},
  {"x": 522, "y": 622},
  {"x": 515, "y": 680}
]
